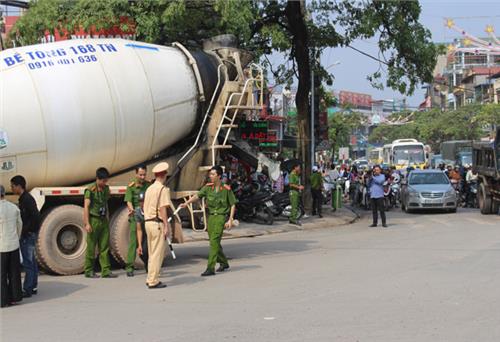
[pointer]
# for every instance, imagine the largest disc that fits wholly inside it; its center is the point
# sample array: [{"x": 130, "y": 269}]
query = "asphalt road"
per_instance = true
[{"x": 428, "y": 277}]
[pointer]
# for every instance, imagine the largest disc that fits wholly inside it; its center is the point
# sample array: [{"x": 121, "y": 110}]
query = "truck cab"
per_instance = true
[{"x": 486, "y": 163}]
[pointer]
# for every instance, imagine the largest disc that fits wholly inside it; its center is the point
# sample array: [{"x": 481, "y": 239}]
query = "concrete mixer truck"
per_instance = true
[{"x": 69, "y": 107}]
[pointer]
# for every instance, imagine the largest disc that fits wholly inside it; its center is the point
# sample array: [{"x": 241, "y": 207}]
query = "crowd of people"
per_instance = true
[
  {"x": 147, "y": 204},
  {"x": 148, "y": 220}
]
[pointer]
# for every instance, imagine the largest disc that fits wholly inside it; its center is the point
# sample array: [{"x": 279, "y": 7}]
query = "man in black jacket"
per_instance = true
[{"x": 29, "y": 234}]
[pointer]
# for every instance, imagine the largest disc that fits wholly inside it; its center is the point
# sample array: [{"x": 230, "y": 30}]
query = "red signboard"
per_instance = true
[
  {"x": 112, "y": 32},
  {"x": 9, "y": 22},
  {"x": 355, "y": 99}
]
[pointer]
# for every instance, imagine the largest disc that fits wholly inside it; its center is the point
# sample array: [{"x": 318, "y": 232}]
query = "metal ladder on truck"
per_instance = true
[{"x": 236, "y": 98}]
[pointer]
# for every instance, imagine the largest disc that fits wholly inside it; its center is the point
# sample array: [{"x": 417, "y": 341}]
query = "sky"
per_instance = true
[{"x": 472, "y": 16}]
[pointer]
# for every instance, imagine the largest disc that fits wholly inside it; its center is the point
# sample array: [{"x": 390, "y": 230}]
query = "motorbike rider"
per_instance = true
[
  {"x": 470, "y": 180},
  {"x": 354, "y": 188}
]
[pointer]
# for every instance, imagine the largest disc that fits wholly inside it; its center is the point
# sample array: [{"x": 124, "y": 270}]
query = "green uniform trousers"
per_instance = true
[
  {"x": 294, "y": 202},
  {"x": 215, "y": 231},
  {"x": 132, "y": 246},
  {"x": 98, "y": 236},
  {"x": 337, "y": 197}
]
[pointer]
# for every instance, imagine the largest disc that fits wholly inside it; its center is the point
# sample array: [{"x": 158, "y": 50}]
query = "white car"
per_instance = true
[{"x": 428, "y": 189}]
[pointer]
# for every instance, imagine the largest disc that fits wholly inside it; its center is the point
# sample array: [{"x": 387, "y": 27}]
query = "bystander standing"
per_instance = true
[
  {"x": 10, "y": 266},
  {"x": 29, "y": 234}
]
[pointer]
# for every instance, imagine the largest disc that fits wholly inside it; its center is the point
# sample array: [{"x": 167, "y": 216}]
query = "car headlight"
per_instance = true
[
  {"x": 412, "y": 191},
  {"x": 450, "y": 192}
]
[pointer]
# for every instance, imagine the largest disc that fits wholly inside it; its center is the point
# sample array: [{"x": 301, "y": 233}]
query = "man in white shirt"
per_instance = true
[
  {"x": 470, "y": 176},
  {"x": 10, "y": 269}
]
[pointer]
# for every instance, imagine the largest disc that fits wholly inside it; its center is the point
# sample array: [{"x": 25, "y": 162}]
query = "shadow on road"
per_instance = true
[
  {"x": 244, "y": 248},
  {"x": 50, "y": 290}
]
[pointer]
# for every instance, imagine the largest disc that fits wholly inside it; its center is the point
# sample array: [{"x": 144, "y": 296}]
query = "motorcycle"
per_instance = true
[
  {"x": 472, "y": 195},
  {"x": 396, "y": 194},
  {"x": 388, "y": 201},
  {"x": 281, "y": 207},
  {"x": 254, "y": 206},
  {"x": 461, "y": 195}
]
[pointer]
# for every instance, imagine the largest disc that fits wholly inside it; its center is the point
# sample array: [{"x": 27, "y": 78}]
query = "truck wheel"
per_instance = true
[
  {"x": 119, "y": 237},
  {"x": 484, "y": 199},
  {"x": 494, "y": 207},
  {"x": 61, "y": 243}
]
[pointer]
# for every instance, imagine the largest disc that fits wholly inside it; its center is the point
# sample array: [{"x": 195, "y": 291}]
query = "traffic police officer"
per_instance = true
[
  {"x": 96, "y": 221},
  {"x": 221, "y": 202},
  {"x": 156, "y": 201},
  {"x": 135, "y": 192},
  {"x": 295, "y": 188}
]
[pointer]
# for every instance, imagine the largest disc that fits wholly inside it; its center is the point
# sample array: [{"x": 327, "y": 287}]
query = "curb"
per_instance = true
[{"x": 317, "y": 223}]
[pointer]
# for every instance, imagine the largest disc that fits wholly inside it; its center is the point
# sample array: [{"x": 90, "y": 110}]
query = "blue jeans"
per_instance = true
[{"x": 29, "y": 262}]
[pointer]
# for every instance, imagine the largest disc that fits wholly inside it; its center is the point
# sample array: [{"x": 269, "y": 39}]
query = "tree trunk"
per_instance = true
[{"x": 295, "y": 12}]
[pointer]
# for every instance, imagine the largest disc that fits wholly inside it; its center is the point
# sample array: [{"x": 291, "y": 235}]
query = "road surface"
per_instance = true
[{"x": 428, "y": 277}]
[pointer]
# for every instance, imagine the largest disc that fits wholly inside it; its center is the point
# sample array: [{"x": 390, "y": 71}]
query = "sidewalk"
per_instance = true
[{"x": 330, "y": 219}]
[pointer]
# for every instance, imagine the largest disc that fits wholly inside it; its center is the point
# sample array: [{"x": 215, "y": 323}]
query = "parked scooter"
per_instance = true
[
  {"x": 254, "y": 206},
  {"x": 282, "y": 207}
]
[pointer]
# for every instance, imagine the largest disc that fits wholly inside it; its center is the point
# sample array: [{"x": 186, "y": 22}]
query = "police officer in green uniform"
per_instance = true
[
  {"x": 135, "y": 192},
  {"x": 221, "y": 202},
  {"x": 295, "y": 189},
  {"x": 96, "y": 221}
]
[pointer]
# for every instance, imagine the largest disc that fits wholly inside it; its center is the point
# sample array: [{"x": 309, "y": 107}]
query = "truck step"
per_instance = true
[
  {"x": 221, "y": 146},
  {"x": 204, "y": 168},
  {"x": 229, "y": 126},
  {"x": 244, "y": 107}
]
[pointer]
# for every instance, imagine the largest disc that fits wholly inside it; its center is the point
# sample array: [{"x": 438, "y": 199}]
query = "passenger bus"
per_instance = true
[
  {"x": 403, "y": 153},
  {"x": 376, "y": 156}
]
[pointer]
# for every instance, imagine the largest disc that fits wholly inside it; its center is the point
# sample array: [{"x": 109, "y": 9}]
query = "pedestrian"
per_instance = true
[
  {"x": 376, "y": 186},
  {"x": 10, "y": 265},
  {"x": 142, "y": 238},
  {"x": 354, "y": 185},
  {"x": 156, "y": 201},
  {"x": 29, "y": 234},
  {"x": 221, "y": 203},
  {"x": 295, "y": 192},
  {"x": 316, "y": 191},
  {"x": 136, "y": 190},
  {"x": 96, "y": 222}
]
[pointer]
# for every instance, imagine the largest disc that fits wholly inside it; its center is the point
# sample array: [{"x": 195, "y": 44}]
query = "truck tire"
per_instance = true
[
  {"x": 61, "y": 243},
  {"x": 484, "y": 199},
  {"x": 119, "y": 237},
  {"x": 494, "y": 207}
]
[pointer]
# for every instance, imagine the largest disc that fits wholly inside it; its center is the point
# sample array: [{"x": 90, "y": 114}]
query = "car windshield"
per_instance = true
[
  {"x": 409, "y": 154},
  {"x": 428, "y": 178}
]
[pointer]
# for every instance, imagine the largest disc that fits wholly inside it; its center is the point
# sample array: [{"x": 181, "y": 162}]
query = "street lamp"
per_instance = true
[{"x": 313, "y": 140}]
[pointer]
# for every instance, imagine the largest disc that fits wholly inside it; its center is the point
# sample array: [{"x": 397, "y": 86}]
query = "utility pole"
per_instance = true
[
  {"x": 313, "y": 148},
  {"x": 2, "y": 47}
]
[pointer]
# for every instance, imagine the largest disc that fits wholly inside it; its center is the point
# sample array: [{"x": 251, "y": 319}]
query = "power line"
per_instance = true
[{"x": 368, "y": 55}]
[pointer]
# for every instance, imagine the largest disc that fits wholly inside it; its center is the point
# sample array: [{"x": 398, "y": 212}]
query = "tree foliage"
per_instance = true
[
  {"x": 434, "y": 126},
  {"x": 341, "y": 126}
]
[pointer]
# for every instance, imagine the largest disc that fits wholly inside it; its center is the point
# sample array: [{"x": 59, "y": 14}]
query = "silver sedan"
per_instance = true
[{"x": 428, "y": 189}]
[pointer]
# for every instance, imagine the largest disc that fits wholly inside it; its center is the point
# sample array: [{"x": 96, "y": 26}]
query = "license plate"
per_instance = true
[
  {"x": 432, "y": 201},
  {"x": 269, "y": 204}
]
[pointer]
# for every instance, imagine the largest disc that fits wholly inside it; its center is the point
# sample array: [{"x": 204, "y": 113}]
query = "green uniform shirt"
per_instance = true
[
  {"x": 98, "y": 200},
  {"x": 218, "y": 202},
  {"x": 316, "y": 181},
  {"x": 134, "y": 191},
  {"x": 293, "y": 178}
]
